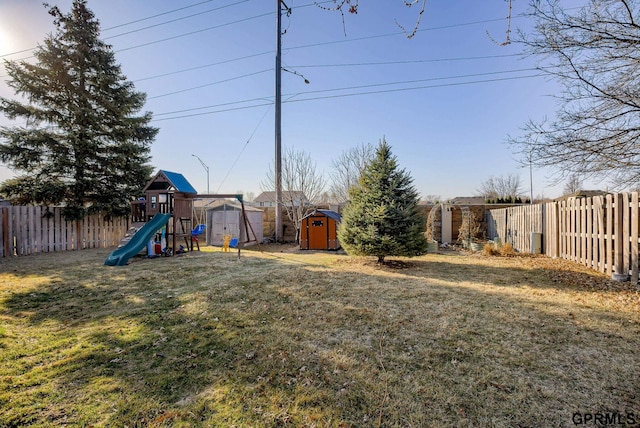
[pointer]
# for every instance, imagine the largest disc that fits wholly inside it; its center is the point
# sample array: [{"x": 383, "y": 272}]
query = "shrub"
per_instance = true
[
  {"x": 490, "y": 249},
  {"x": 507, "y": 249}
]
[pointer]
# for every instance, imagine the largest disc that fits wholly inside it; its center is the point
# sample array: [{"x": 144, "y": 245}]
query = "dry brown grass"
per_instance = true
[{"x": 291, "y": 338}]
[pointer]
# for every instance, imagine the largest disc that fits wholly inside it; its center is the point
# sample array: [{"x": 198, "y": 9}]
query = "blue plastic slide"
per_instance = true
[{"x": 138, "y": 241}]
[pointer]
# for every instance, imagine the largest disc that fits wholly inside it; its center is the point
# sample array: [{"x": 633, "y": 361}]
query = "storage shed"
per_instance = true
[
  {"x": 319, "y": 230},
  {"x": 226, "y": 219}
]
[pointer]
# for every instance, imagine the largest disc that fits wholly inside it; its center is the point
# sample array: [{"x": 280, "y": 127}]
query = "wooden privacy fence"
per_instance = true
[
  {"x": 32, "y": 230},
  {"x": 600, "y": 232}
]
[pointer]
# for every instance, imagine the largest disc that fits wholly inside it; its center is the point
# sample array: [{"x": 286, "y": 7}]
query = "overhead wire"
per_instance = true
[
  {"x": 210, "y": 84},
  {"x": 156, "y": 15},
  {"x": 347, "y": 88},
  {"x": 199, "y": 67},
  {"x": 243, "y": 148},
  {"x": 190, "y": 33},
  {"x": 291, "y": 100},
  {"x": 410, "y": 61},
  {"x": 175, "y": 20}
]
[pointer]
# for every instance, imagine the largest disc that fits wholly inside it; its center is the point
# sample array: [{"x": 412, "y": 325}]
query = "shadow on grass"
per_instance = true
[{"x": 270, "y": 342}]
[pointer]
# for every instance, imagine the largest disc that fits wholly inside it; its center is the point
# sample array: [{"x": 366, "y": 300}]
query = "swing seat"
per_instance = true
[
  {"x": 233, "y": 243},
  {"x": 198, "y": 230}
]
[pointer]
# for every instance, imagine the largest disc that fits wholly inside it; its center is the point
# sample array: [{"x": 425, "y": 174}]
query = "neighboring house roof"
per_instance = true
[
  {"x": 174, "y": 179},
  {"x": 265, "y": 197},
  {"x": 4, "y": 202},
  {"x": 270, "y": 196},
  {"x": 332, "y": 214}
]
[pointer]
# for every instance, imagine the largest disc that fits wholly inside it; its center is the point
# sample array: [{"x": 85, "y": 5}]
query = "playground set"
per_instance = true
[{"x": 164, "y": 218}]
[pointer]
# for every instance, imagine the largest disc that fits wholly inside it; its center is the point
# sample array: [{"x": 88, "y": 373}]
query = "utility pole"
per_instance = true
[{"x": 278, "y": 124}]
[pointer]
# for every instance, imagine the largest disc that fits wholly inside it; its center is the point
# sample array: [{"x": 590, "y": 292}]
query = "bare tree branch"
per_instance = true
[
  {"x": 346, "y": 170},
  {"x": 594, "y": 54},
  {"x": 302, "y": 185},
  {"x": 507, "y": 40}
]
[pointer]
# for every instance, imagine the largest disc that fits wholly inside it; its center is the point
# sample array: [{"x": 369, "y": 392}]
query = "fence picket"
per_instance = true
[
  {"x": 600, "y": 232},
  {"x": 34, "y": 230},
  {"x": 635, "y": 218}
]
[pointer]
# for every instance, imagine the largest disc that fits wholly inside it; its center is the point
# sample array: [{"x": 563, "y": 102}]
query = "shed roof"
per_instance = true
[
  {"x": 329, "y": 213},
  {"x": 225, "y": 205}
]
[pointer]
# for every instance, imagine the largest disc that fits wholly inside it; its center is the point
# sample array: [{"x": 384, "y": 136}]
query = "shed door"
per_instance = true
[
  {"x": 318, "y": 233},
  {"x": 225, "y": 223}
]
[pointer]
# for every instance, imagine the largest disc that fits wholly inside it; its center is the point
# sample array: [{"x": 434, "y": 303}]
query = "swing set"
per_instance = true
[{"x": 171, "y": 193}]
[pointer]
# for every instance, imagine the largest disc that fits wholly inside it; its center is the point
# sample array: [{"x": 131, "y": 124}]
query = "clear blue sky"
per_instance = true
[{"x": 445, "y": 100}]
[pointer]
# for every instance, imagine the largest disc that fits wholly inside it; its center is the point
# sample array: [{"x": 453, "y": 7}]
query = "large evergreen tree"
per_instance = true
[
  {"x": 382, "y": 219},
  {"x": 82, "y": 144}
]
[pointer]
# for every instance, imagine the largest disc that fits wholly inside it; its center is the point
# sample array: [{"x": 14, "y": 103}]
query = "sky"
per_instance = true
[{"x": 445, "y": 100}]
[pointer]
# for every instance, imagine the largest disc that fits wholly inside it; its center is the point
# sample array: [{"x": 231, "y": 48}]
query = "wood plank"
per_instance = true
[
  {"x": 57, "y": 228},
  {"x": 4, "y": 231},
  {"x": 609, "y": 234},
  {"x": 626, "y": 233},
  {"x": 618, "y": 239},
  {"x": 635, "y": 218},
  {"x": 589, "y": 232},
  {"x": 50, "y": 230},
  {"x": 602, "y": 237}
]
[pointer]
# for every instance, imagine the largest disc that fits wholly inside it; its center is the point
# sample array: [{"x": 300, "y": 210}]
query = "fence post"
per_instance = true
[
  {"x": 5, "y": 232},
  {"x": 634, "y": 237},
  {"x": 618, "y": 240}
]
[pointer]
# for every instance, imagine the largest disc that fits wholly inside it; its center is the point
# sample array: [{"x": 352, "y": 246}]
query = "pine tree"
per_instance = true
[
  {"x": 82, "y": 145},
  {"x": 382, "y": 218}
]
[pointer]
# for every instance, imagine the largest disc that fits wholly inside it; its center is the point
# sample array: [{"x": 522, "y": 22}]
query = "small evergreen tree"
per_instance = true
[
  {"x": 82, "y": 145},
  {"x": 382, "y": 218}
]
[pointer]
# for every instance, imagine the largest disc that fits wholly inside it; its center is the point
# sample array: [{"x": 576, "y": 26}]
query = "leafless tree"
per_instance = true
[
  {"x": 432, "y": 199},
  {"x": 501, "y": 187},
  {"x": 594, "y": 54},
  {"x": 302, "y": 185},
  {"x": 573, "y": 185},
  {"x": 346, "y": 170}
]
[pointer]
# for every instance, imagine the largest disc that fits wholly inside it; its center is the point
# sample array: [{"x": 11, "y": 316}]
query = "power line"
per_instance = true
[
  {"x": 196, "y": 32},
  {"x": 416, "y": 61},
  {"x": 203, "y": 66},
  {"x": 212, "y": 112},
  {"x": 176, "y": 20},
  {"x": 210, "y": 84},
  {"x": 405, "y": 82},
  {"x": 444, "y": 85},
  {"x": 243, "y": 148},
  {"x": 270, "y": 13},
  {"x": 123, "y": 25},
  {"x": 290, "y": 100},
  {"x": 214, "y": 106},
  {"x": 397, "y": 33},
  {"x": 431, "y": 79},
  {"x": 155, "y": 16}
]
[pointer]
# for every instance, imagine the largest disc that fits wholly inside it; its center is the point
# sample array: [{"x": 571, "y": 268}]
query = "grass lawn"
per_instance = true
[{"x": 290, "y": 338}]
